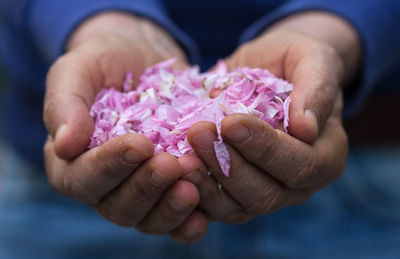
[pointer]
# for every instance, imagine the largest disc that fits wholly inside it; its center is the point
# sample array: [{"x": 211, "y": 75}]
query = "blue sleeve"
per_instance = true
[
  {"x": 50, "y": 23},
  {"x": 377, "y": 24}
]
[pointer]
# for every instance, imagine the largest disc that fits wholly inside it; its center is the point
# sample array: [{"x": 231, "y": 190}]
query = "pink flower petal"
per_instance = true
[{"x": 168, "y": 102}]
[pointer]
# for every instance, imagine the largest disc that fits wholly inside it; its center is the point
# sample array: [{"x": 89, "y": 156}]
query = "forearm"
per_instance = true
[
  {"x": 129, "y": 26},
  {"x": 332, "y": 30}
]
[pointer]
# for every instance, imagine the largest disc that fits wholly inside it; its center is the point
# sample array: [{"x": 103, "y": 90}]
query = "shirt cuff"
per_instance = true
[
  {"x": 52, "y": 22},
  {"x": 373, "y": 20}
]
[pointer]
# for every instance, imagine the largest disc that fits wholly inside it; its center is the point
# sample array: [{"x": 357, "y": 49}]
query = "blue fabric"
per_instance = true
[
  {"x": 376, "y": 23},
  {"x": 35, "y": 32},
  {"x": 357, "y": 217},
  {"x": 50, "y": 31}
]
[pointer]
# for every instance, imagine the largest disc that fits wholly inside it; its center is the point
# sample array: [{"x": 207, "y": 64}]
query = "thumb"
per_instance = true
[
  {"x": 66, "y": 107},
  {"x": 315, "y": 77},
  {"x": 71, "y": 88},
  {"x": 316, "y": 84}
]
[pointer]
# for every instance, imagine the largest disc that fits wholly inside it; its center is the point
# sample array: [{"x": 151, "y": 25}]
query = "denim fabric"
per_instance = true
[{"x": 356, "y": 217}]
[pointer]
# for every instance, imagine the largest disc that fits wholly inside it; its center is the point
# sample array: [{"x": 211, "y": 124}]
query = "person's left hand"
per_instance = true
[{"x": 269, "y": 168}]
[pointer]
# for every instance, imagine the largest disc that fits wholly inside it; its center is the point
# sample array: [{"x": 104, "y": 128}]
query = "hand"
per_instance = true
[
  {"x": 121, "y": 179},
  {"x": 269, "y": 168}
]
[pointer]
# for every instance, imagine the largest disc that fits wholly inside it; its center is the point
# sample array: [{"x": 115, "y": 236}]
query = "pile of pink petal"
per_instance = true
[{"x": 167, "y": 102}]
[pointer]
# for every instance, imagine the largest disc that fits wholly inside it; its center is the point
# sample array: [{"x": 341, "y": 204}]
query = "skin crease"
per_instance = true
[
  {"x": 281, "y": 169},
  {"x": 159, "y": 194},
  {"x": 122, "y": 179}
]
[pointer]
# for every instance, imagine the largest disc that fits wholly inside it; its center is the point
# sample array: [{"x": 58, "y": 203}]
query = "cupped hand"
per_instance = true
[
  {"x": 269, "y": 168},
  {"x": 121, "y": 179}
]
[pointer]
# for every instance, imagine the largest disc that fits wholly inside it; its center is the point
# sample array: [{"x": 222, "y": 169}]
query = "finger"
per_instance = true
[
  {"x": 129, "y": 203},
  {"x": 98, "y": 171},
  {"x": 256, "y": 191},
  {"x": 291, "y": 161},
  {"x": 216, "y": 203},
  {"x": 315, "y": 71},
  {"x": 194, "y": 227},
  {"x": 73, "y": 83},
  {"x": 71, "y": 87},
  {"x": 331, "y": 149},
  {"x": 66, "y": 107},
  {"x": 253, "y": 53},
  {"x": 172, "y": 210}
]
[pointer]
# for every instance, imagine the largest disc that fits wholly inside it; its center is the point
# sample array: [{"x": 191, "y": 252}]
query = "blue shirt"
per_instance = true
[{"x": 35, "y": 33}]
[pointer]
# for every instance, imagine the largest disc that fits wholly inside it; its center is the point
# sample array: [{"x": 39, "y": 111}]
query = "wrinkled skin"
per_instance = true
[
  {"x": 280, "y": 169},
  {"x": 121, "y": 179}
]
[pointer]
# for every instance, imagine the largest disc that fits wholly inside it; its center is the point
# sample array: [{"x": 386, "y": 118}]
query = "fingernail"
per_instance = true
[
  {"x": 132, "y": 157},
  {"x": 158, "y": 179},
  {"x": 194, "y": 177},
  {"x": 310, "y": 115},
  {"x": 204, "y": 141},
  {"x": 177, "y": 204},
  {"x": 60, "y": 131},
  {"x": 237, "y": 134}
]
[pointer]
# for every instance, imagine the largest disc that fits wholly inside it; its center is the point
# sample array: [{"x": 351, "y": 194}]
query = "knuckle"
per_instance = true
[
  {"x": 267, "y": 202},
  {"x": 58, "y": 67},
  {"x": 47, "y": 148},
  {"x": 307, "y": 169},
  {"x": 177, "y": 207},
  {"x": 144, "y": 192},
  {"x": 108, "y": 213},
  {"x": 51, "y": 101},
  {"x": 56, "y": 179},
  {"x": 60, "y": 182},
  {"x": 47, "y": 109},
  {"x": 73, "y": 188},
  {"x": 171, "y": 214},
  {"x": 108, "y": 67},
  {"x": 174, "y": 211},
  {"x": 210, "y": 195},
  {"x": 266, "y": 154},
  {"x": 265, "y": 145},
  {"x": 49, "y": 106},
  {"x": 105, "y": 60},
  {"x": 319, "y": 48},
  {"x": 67, "y": 185},
  {"x": 325, "y": 49},
  {"x": 61, "y": 62},
  {"x": 107, "y": 170},
  {"x": 330, "y": 52}
]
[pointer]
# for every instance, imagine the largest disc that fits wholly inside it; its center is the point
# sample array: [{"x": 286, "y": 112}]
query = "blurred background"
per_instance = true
[
  {"x": 356, "y": 217},
  {"x": 378, "y": 123}
]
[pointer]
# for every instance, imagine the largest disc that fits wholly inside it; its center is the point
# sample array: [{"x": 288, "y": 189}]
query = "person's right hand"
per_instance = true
[{"x": 121, "y": 179}]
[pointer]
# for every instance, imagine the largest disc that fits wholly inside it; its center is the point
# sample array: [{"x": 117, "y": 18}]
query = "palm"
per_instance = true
[
  {"x": 121, "y": 179},
  {"x": 278, "y": 168}
]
